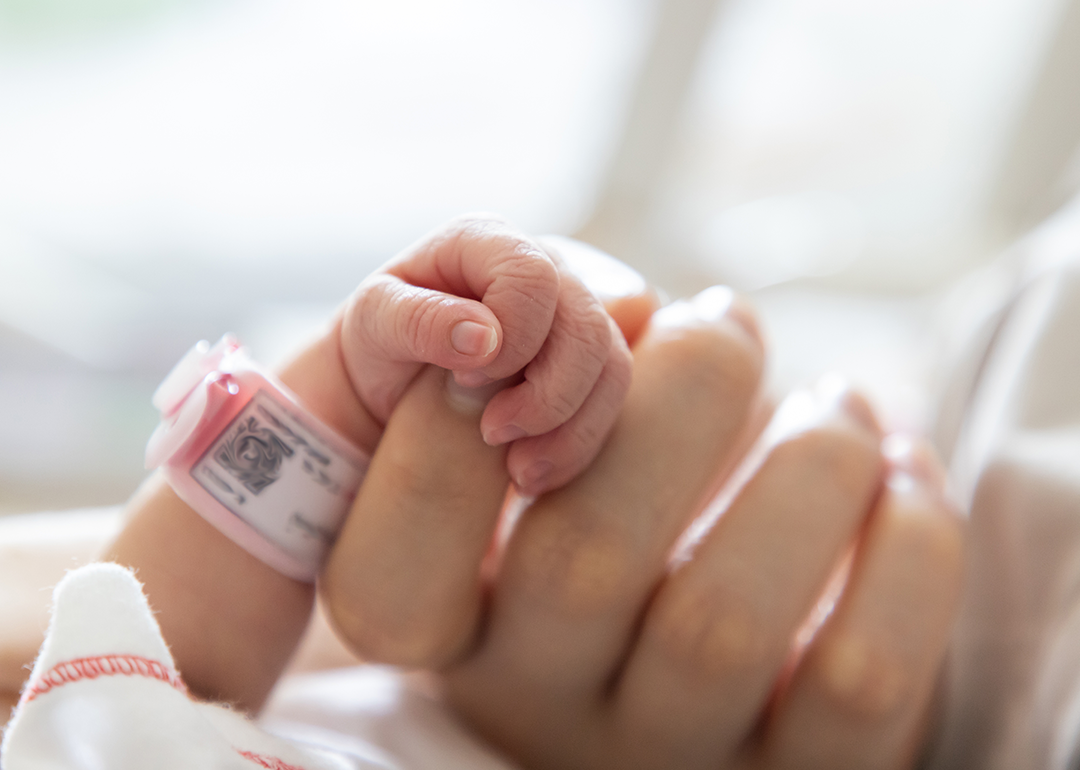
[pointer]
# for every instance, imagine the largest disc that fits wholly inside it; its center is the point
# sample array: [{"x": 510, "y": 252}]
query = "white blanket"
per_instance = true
[{"x": 104, "y": 693}]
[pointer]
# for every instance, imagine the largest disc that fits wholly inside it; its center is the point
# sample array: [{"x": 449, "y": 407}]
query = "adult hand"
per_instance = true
[{"x": 620, "y": 628}]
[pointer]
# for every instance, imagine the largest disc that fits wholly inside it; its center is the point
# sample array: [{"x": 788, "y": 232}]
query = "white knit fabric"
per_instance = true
[{"x": 105, "y": 694}]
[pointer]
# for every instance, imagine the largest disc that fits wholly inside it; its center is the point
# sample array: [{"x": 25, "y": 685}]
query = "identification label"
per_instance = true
[{"x": 275, "y": 473}]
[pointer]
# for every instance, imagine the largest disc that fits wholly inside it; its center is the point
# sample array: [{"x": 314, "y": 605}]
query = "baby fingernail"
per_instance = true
[
  {"x": 504, "y": 435},
  {"x": 473, "y": 339},
  {"x": 532, "y": 477}
]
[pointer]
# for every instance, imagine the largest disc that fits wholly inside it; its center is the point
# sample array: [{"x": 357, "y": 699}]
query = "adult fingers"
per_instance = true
[
  {"x": 402, "y": 584},
  {"x": 721, "y": 626},
  {"x": 583, "y": 559},
  {"x": 477, "y": 296},
  {"x": 430, "y": 502},
  {"x": 859, "y": 694}
]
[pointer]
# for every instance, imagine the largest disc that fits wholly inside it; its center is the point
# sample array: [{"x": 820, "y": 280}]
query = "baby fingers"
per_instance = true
[
  {"x": 548, "y": 461},
  {"x": 564, "y": 371},
  {"x": 391, "y": 328},
  {"x": 476, "y": 297},
  {"x": 485, "y": 301}
]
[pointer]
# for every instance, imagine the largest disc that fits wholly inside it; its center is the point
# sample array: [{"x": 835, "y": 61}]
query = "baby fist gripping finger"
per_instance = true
[
  {"x": 489, "y": 303},
  {"x": 476, "y": 297},
  {"x": 559, "y": 416}
]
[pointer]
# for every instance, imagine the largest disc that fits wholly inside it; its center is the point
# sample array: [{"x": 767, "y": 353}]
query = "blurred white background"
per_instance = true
[{"x": 174, "y": 169}]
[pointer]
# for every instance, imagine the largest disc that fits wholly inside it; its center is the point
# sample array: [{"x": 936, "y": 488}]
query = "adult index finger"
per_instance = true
[{"x": 402, "y": 584}]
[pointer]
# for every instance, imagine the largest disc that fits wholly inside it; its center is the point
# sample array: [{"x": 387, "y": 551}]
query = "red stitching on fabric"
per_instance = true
[
  {"x": 270, "y": 763},
  {"x": 102, "y": 665}
]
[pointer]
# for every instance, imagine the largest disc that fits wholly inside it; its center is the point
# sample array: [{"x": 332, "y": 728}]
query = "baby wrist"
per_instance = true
[{"x": 239, "y": 447}]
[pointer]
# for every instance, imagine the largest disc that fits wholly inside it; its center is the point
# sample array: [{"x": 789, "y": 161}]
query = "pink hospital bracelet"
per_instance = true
[{"x": 236, "y": 445}]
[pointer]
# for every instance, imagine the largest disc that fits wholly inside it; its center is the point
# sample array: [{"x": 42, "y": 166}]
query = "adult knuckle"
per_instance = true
[
  {"x": 353, "y": 615},
  {"x": 711, "y": 633},
  {"x": 579, "y": 568},
  {"x": 863, "y": 680},
  {"x": 408, "y": 478},
  {"x": 431, "y": 638}
]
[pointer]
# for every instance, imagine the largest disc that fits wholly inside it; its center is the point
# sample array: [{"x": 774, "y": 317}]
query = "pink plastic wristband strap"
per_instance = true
[{"x": 236, "y": 445}]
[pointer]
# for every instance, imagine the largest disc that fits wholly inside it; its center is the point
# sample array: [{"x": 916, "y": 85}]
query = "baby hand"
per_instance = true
[{"x": 497, "y": 308}]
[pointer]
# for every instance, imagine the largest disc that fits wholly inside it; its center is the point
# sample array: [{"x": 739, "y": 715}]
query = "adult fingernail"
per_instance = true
[
  {"x": 504, "y": 435},
  {"x": 915, "y": 457},
  {"x": 915, "y": 463},
  {"x": 833, "y": 390},
  {"x": 468, "y": 400},
  {"x": 473, "y": 339}
]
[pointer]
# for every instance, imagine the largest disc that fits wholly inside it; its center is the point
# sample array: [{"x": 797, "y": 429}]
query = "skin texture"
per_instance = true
[
  {"x": 607, "y": 636},
  {"x": 483, "y": 300},
  {"x": 652, "y": 612},
  {"x": 231, "y": 621}
]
